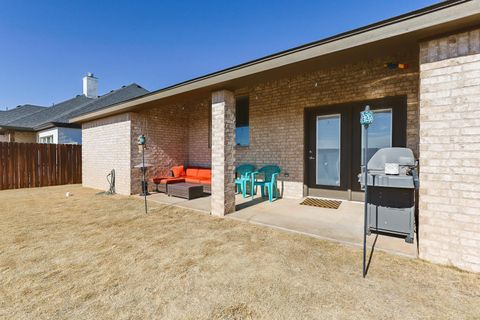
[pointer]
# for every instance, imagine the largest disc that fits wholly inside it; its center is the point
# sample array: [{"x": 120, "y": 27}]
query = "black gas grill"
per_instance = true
[{"x": 392, "y": 181}]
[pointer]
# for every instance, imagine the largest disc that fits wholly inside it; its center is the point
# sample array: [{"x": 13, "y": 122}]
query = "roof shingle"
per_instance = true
[
  {"x": 62, "y": 112},
  {"x": 18, "y": 112}
]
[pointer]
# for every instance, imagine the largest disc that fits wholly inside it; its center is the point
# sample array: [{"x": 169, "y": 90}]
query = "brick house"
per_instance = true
[{"x": 420, "y": 72}]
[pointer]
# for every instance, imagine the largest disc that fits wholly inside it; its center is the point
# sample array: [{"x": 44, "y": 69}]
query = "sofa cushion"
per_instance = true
[
  {"x": 157, "y": 179},
  {"x": 172, "y": 180},
  {"x": 191, "y": 172},
  {"x": 192, "y": 179},
  {"x": 178, "y": 171},
  {"x": 205, "y": 181},
  {"x": 205, "y": 173}
]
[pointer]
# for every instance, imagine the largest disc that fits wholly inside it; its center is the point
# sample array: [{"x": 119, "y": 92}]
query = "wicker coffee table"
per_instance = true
[{"x": 185, "y": 190}]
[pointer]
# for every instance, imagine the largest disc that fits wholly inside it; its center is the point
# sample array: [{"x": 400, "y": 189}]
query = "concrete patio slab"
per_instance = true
[{"x": 344, "y": 225}]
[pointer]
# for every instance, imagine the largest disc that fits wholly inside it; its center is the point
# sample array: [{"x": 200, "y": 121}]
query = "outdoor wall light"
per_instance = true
[
  {"x": 141, "y": 140},
  {"x": 395, "y": 65},
  {"x": 366, "y": 117}
]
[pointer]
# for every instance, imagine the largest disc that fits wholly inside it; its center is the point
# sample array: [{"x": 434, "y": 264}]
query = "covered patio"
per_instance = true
[
  {"x": 301, "y": 112},
  {"x": 288, "y": 117},
  {"x": 343, "y": 225}
]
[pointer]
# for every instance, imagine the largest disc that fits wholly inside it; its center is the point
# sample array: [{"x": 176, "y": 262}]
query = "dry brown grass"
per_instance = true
[{"x": 99, "y": 257}]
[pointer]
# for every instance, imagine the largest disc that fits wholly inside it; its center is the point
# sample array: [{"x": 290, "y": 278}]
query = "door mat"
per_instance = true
[{"x": 321, "y": 203}]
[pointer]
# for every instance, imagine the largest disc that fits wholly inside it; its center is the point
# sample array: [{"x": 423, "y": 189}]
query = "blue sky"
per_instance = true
[{"x": 48, "y": 46}]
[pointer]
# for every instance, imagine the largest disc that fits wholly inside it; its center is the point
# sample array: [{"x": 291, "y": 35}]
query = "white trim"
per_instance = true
[{"x": 53, "y": 133}]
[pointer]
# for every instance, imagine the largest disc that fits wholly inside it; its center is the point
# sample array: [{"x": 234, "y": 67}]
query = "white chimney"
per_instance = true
[{"x": 90, "y": 86}]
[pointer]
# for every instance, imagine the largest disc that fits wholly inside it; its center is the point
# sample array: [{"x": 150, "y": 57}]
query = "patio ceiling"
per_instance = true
[{"x": 381, "y": 38}]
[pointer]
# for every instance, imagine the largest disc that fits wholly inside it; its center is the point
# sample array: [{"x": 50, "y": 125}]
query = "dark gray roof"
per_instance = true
[
  {"x": 18, "y": 112},
  {"x": 59, "y": 114},
  {"x": 50, "y": 114},
  {"x": 115, "y": 96}
]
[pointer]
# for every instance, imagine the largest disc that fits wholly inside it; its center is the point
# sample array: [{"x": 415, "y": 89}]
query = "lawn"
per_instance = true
[{"x": 100, "y": 257}]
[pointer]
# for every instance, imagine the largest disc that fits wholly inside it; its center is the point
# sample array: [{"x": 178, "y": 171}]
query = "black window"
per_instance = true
[
  {"x": 210, "y": 124},
  {"x": 242, "y": 132}
]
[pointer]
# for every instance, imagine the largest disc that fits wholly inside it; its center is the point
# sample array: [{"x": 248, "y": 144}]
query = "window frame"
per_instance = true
[
  {"x": 46, "y": 139},
  {"x": 247, "y": 98},
  {"x": 210, "y": 119}
]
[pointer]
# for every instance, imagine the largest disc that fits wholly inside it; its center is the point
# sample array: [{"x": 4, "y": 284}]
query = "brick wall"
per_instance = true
[
  {"x": 199, "y": 151},
  {"x": 450, "y": 150},
  {"x": 277, "y": 109},
  {"x": 175, "y": 135},
  {"x": 111, "y": 143},
  {"x": 452, "y": 46},
  {"x": 105, "y": 147},
  {"x": 166, "y": 130}
]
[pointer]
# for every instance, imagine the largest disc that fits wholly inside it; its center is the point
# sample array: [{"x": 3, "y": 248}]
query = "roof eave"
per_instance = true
[
  {"x": 14, "y": 128},
  {"x": 56, "y": 125},
  {"x": 438, "y": 14}
]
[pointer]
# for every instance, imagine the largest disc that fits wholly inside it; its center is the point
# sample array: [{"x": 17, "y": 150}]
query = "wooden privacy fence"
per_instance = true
[{"x": 28, "y": 165}]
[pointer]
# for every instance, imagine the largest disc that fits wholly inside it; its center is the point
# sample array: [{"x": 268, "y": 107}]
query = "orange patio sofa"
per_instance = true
[{"x": 179, "y": 174}]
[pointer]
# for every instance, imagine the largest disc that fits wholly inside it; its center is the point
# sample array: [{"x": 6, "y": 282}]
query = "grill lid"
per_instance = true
[{"x": 402, "y": 156}]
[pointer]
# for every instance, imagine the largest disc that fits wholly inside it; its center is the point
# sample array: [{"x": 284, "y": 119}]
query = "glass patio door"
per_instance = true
[
  {"x": 379, "y": 133},
  {"x": 328, "y": 150},
  {"x": 334, "y": 140}
]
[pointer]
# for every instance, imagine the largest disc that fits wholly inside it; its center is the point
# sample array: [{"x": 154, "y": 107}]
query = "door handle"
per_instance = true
[{"x": 311, "y": 158}]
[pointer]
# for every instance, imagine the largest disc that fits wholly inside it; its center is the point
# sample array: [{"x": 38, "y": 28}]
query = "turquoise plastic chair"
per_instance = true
[
  {"x": 269, "y": 182},
  {"x": 243, "y": 175}
]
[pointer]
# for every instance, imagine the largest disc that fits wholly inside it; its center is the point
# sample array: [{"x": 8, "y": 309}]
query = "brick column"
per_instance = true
[
  {"x": 223, "y": 153},
  {"x": 450, "y": 150}
]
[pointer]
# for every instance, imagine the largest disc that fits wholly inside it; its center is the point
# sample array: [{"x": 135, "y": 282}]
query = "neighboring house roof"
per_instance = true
[
  {"x": 59, "y": 114},
  {"x": 50, "y": 114},
  {"x": 115, "y": 96},
  {"x": 18, "y": 112},
  {"x": 418, "y": 24}
]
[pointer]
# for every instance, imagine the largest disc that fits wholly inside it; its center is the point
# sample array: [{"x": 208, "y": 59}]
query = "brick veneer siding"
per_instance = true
[
  {"x": 111, "y": 143},
  {"x": 199, "y": 151},
  {"x": 450, "y": 151},
  {"x": 452, "y": 46},
  {"x": 105, "y": 147},
  {"x": 176, "y": 134},
  {"x": 166, "y": 131},
  {"x": 277, "y": 109}
]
